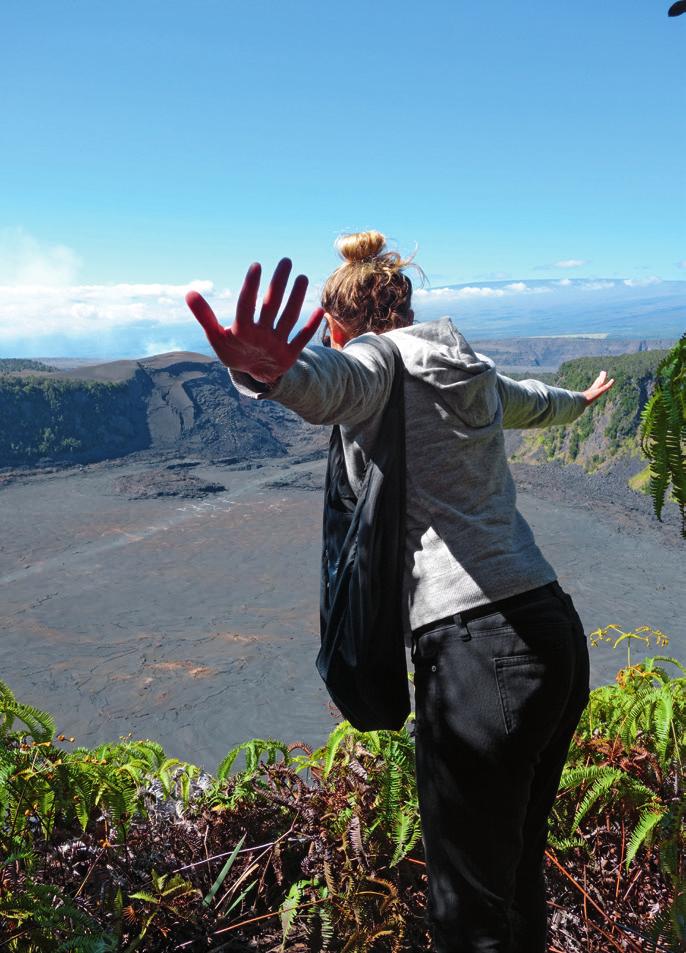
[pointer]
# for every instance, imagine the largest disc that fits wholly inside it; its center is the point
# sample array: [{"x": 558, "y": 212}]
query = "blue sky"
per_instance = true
[{"x": 156, "y": 142}]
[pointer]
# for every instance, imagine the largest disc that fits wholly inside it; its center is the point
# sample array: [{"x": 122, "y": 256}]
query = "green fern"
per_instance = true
[
  {"x": 39, "y": 724},
  {"x": 663, "y": 432},
  {"x": 648, "y": 820},
  {"x": 289, "y": 908},
  {"x": 44, "y": 913},
  {"x": 602, "y": 778},
  {"x": 341, "y": 735},
  {"x": 562, "y": 844},
  {"x": 254, "y": 750}
]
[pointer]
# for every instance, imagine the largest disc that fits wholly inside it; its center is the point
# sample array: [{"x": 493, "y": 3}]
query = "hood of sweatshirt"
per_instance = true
[{"x": 466, "y": 382}]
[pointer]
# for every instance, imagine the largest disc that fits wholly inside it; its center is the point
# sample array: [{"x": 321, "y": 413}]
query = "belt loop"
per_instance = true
[{"x": 465, "y": 635}]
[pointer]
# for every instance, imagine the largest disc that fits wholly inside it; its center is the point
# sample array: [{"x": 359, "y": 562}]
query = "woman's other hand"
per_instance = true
[
  {"x": 260, "y": 348},
  {"x": 599, "y": 387}
]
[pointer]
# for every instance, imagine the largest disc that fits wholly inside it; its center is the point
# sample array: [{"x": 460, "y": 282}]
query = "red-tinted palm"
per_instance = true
[{"x": 260, "y": 348}]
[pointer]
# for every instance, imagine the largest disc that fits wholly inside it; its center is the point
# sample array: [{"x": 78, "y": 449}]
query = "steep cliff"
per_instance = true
[
  {"x": 549, "y": 352},
  {"x": 608, "y": 431},
  {"x": 184, "y": 403},
  {"x": 171, "y": 403}
]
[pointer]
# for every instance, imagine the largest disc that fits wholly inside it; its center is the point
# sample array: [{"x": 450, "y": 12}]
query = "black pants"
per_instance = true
[{"x": 499, "y": 691}]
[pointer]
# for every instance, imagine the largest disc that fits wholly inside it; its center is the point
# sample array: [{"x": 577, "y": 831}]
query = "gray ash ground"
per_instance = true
[
  {"x": 194, "y": 620},
  {"x": 605, "y": 493},
  {"x": 298, "y": 481},
  {"x": 148, "y": 484}
]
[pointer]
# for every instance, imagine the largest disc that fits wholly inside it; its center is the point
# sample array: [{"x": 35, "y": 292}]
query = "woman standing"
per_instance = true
[{"x": 500, "y": 655}]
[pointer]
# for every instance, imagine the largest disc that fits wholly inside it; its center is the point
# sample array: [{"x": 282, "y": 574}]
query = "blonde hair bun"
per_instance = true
[
  {"x": 369, "y": 291},
  {"x": 361, "y": 246}
]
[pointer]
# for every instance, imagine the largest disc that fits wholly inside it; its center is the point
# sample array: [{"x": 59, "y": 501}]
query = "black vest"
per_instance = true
[{"x": 362, "y": 654}]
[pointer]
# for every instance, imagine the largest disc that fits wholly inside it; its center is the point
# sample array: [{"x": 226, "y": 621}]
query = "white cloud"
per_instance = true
[
  {"x": 478, "y": 291},
  {"x": 570, "y": 263},
  {"x": 596, "y": 285},
  {"x": 40, "y": 296},
  {"x": 565, "y": 282},
  {"x": 454, "y": 294},
  {"x": 151, "y": 348},
  {"x": 24, "y": 260},
  {"x": 38, "y": 310},
  {"x": 681, "y": 264},
  {"x": 642, "y": 282}
]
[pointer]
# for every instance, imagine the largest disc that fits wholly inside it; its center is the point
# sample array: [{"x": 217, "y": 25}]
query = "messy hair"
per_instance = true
[{"x": 370, "y": 290}]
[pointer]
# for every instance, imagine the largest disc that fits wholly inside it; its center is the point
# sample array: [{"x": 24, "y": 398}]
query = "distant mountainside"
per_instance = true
[
  {"x": 609, "y": 428},
  {"x": 184, "y": 403},
  {"x": 10, "y": 365},
  {"x": 181, "y": 402},
  {"x": 549, "y": 352}
]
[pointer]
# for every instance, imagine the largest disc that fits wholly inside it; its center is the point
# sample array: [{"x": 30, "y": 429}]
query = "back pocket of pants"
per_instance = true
[{"x": 533, "y": 693}]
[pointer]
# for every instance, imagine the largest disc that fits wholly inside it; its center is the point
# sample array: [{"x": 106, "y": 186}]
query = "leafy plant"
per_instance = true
[
  {"x": 289, "y": 847},
  {"x": 166, "y": 892},
  {"x": 626, "y": 762},
  {"x": 663, "y": 432}
]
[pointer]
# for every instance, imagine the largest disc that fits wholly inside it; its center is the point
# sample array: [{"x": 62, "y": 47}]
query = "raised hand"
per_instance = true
[
  {"x": 599, "y": 387},
  {"x": 260, "y": 348}
]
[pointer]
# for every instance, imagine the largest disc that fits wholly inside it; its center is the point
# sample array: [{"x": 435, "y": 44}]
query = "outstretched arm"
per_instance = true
[{"x": 531, "y": 403}]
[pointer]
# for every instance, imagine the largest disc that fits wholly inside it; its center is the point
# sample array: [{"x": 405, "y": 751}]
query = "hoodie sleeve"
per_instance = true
[
  {"x": 326, "y": 386},
  {"x": 532, "y": 403}
]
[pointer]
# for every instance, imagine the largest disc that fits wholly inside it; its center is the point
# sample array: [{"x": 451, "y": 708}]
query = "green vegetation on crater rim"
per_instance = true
[
  {"x": 10, "y": 365},
  {"x": 79, "y": 418},
  {"x": 610, "y": 426},
  {"x": 45, "y": 417}
]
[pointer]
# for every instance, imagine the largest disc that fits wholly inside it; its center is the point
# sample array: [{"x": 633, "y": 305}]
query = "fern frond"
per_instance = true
[
  {"x": 289, "y": 908},
  {"x": 663, "y": 432},
  {"x": 647, "y": 822},
  {"x": 596, "y": 791}
]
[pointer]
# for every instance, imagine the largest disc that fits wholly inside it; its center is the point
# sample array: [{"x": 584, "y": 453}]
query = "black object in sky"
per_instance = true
[{"x": 677, "y": 9}]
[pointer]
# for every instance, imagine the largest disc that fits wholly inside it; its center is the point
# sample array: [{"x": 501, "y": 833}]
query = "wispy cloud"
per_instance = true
[
  {"x": 596, "y": 285},
  {"x": 642, "y": 282},
  {"x": 91, "y": 310},
  {"x": 455, "y": 294},
  {"x": 44, "y": 306},
  {"x": 682, "y": 263},
  {"x": 40, "y": 297},
  {"x": 161, "y": 347},
  {"x": 478, "y": 291},
  {"x": 570, "y": 263},
  {"x": 590, "y": 284},
  {"x": 25, "y": 260}
]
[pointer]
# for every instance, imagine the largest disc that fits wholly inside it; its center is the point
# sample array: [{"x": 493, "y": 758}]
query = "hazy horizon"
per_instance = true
[{"x": 538, "y": 307}]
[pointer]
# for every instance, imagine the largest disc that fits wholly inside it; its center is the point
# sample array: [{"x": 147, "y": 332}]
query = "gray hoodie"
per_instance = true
[{"x": 466, "y": 542}]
